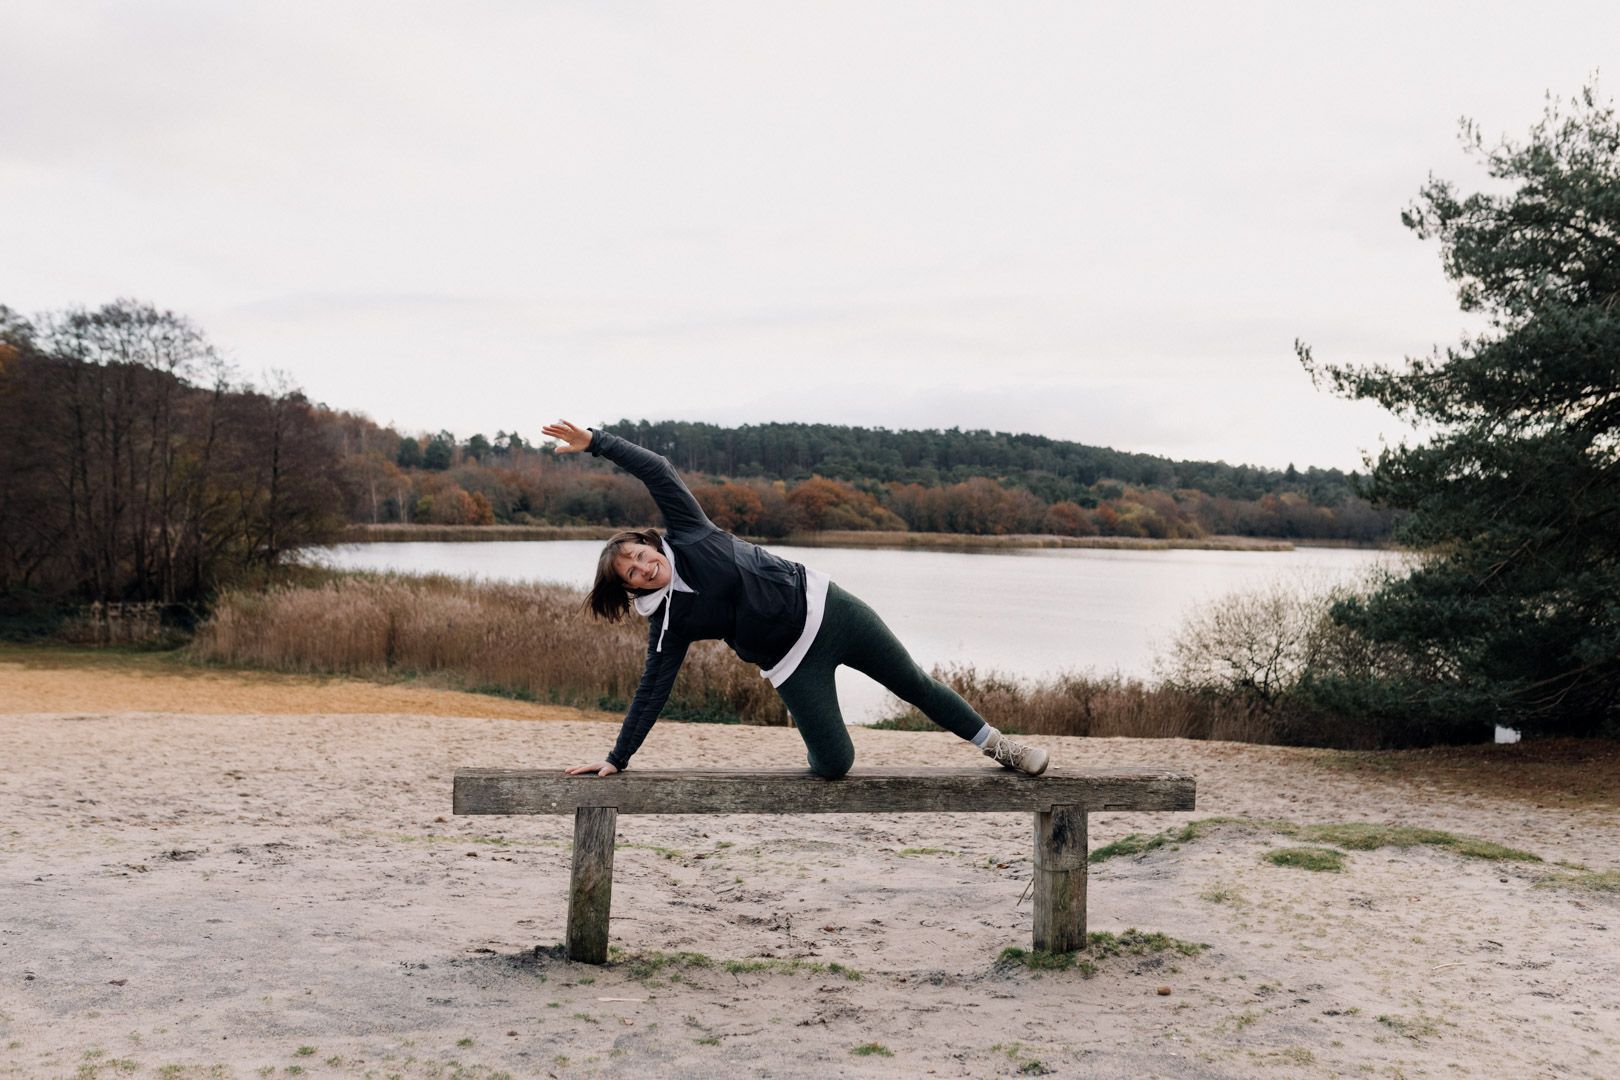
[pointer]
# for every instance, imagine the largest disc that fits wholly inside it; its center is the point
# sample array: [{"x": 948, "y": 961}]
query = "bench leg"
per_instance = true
[
  {"x": 1060, "y": 880},
  {"x": 590, "y": 893}
]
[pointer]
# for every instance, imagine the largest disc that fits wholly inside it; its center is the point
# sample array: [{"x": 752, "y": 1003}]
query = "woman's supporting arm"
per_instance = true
[{"x": 657, "y": 678}]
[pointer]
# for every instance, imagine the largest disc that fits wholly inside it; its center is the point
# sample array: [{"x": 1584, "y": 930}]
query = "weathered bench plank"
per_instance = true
[
  {"x": 798, "y": 791},
  {"x": 1060, "y": 801}
]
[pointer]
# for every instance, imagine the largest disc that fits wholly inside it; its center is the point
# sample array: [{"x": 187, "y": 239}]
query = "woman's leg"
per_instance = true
[
  {"x": 811, "y": 696},
  {"x": 871, "y": 648}
]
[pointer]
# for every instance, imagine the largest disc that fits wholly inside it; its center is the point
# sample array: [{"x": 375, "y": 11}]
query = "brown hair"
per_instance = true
[{"x": 609, "y": 597}]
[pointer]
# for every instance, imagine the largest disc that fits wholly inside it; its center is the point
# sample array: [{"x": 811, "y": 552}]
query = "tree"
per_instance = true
[
  {"x": 1513, "y": 617},
  {"x": 131, "y": 470},
  {"x": 410, "y": 453},
  {"x": 440, "y": 452}
]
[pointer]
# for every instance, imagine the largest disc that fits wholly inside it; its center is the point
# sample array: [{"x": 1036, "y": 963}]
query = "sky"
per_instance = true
[{"x": 1100, "y": 222}]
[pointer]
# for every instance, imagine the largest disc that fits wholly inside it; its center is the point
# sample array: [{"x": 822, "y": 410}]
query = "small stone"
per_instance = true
[{"x": 1164, "y": 991}]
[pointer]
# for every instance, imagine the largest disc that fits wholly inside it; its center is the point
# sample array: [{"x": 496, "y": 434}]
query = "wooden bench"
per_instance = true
[{"x": 1060, "y": 801}]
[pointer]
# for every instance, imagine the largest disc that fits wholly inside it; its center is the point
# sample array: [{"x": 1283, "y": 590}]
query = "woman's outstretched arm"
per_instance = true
[{"x": 682, "y": 514}]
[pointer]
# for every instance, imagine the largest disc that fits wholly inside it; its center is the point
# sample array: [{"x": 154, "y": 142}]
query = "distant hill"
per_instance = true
[{"x": 1052, "y": 469}]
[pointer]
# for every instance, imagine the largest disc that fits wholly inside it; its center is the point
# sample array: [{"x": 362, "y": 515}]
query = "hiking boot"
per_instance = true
[{"x": 1016, "y": 755}]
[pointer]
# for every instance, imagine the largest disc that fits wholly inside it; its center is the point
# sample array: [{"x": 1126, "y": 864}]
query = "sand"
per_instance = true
[{"x": 239, "y": 893}]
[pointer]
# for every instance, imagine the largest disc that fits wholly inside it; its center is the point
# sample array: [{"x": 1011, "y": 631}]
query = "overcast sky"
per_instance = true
[{"x": 1102, "y": 222}]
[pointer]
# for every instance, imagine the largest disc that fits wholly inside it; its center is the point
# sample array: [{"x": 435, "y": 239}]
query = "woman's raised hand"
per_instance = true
[
  {"x": 600, "y": 768},
  {"x": 574, "y": 437}
]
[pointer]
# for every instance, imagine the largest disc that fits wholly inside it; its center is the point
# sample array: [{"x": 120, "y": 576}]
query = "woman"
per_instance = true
[{"x": 700, "y": 582}]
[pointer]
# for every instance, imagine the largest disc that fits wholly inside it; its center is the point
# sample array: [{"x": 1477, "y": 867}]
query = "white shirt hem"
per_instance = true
[{"x": 815, "y": 605}]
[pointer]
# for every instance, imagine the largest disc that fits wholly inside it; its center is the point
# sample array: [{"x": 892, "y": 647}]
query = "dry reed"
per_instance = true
[
  {"x": 535, "y": 642},
  {"x": 1072, "y": 704},
  {"x": 529, "y": 641}
]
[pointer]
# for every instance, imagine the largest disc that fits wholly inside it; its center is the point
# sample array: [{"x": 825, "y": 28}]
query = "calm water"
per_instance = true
[{"x": 1030, "y": 613}]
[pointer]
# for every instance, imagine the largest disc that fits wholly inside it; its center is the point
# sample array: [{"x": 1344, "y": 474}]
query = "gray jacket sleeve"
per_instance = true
[
  {"x": 682, "y": 515},
  {"x": 657, "y": 677}
]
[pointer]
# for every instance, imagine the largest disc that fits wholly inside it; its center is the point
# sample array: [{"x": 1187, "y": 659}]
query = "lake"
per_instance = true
[{"x": 1030, "y": 612}]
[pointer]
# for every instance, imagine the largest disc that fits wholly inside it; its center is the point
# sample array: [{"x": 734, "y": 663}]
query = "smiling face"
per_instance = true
[{"x": 641, "y": 567}]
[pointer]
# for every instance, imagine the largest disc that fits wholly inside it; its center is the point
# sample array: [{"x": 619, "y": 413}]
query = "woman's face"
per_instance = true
[{"x": 641, "y": 567}]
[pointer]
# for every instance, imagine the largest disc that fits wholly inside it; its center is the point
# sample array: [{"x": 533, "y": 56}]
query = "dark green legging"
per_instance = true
[{"x": 851, "y": 633}]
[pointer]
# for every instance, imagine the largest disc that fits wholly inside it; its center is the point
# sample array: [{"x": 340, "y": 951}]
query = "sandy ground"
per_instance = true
[{"x": 241, "y": 893}]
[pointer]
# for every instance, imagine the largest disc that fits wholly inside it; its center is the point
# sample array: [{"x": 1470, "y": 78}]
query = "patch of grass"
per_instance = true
[
  {"x": 1603, "y": 881},
  {"x": 647, "y": 964},
  {"x": 910, "y": 851},
  {"x": 1134, "y": 942},
  {"x": 1368, "y": 836},
  {"x": 304, "y": 1051},
  {"x": 1245, "y": 1018},
  {"x": 872, "y": 1050},
  {"x": 1100, "y": 945},
  {"x": 464, "y": 1042},
  {"x": 1410, "y": 1027},
  {"x": 708, "y": 1040},
  {"x": 1026, "y": 1066},
  {"x": 1041, "y": 960},
  {"x": 771, "y": 963},
  {"x": 1324, "y": 860},
  {"x": 1221, "y": 894},
  {"x": 1142, "y": 843},
  {"x": 1354, "y": 835}
]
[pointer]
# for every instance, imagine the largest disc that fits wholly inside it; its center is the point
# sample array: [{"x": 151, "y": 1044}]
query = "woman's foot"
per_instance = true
[{"x": 1017, "y": 756}]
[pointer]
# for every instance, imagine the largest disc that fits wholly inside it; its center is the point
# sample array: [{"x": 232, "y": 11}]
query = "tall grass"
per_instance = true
[
  {"x": 1072, "y": 704},
  {"x": 535, "y": 642},
  {"x": 528, "y": 641}
]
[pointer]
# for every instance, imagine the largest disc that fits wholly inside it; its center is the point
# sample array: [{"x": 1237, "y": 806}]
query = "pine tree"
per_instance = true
[{"x": 1513, "y": 616}]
